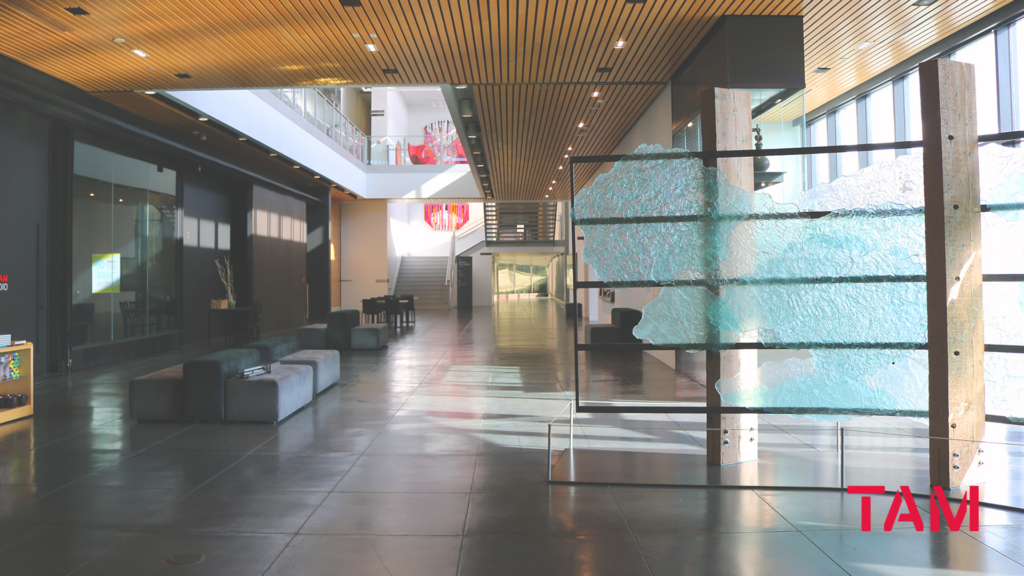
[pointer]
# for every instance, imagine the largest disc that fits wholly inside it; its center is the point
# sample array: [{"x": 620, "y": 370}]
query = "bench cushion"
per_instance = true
[
  {"x": 370, "y": 337},
  {"x": 268, "y": 397},
  {"x": 313, "y": 337},
  {"x": 601, "y": 334},
  {"x": 326, "y": 365},
  {"x": 273, "y": 349},
  {"x": 204, "y": 382},
  {"x": 339, "y": 329},
  {"x": 157, "y": 396},
  {"x": 626, "y": 319}
]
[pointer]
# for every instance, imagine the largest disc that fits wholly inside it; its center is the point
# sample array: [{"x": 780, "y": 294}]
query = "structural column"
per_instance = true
[
  {"x": 952, "y": 200},
  {"x": 726, "y": 125}
]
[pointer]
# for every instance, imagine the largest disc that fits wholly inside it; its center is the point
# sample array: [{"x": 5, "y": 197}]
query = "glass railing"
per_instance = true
[
  {"x": 414, "y": 150},
  {"x": 323, "y": 113}
]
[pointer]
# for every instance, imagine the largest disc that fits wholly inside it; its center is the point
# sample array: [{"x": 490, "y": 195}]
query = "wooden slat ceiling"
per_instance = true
[{"x": 533, "y": 64}]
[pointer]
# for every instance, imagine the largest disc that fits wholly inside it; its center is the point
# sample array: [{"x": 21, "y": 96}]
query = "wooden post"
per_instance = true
[
  {"x": 726, "y": 125},
  {"x": 952, "y": 214}
]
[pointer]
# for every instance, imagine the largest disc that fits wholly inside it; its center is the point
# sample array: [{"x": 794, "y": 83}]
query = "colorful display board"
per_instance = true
[
  {"x": 10, "y": 366},
  {"x": 446, "y": 216}
]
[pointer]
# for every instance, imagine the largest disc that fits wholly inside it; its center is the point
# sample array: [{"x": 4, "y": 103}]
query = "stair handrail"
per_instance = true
[{"x": 393, "y": 278}]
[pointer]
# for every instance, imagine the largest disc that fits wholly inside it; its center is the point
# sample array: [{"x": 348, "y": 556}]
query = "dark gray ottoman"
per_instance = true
[
  {"x": 158, "y": 396},
  {"x": 273, "y": 349},
  {"x": 602, "y": 334},
  {"x": 326, "y": 365},
  {"x": 339, "y": 328},
  {"x": 313, "y": 337},
  {"x": 370, "y": 337},
  {"x": 204, "y": 382},
  {"x": 269, "y": 397},
  {"x": 626, "y": 319}
]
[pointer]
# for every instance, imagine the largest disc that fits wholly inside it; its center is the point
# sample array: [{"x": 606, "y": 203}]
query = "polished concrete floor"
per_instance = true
[{"x": 428, "y": 458}]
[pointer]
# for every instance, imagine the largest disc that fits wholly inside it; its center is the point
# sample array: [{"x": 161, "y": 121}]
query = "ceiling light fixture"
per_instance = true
[
  {"x": 566, "y": 156},
  {"x": 553, "y": 182},
  {"x": 865, "y": 45},
  {"x": 550, "y": 188},
  {"x": 779, "y": 101},
  {"x": 295, "y": 166},
  {"x": 690, "y": 125},
  {"x": 570, "y": 147},
  {"x": 202, "y": 118},
  {"x": 466, "y": 108},
  {"x": 241, "y": 138},
  {"x": 595, "y": 94},
  {"x": 139, "y": 53},
  {"x": 119, "y": 40},
  {"x": 472, "y": 130},
  {"x": 922, "y": 3},
  {"x": 820, "y": 70},
  {"x": 620, "y": 44},
  {"x": 580, "y": 125},
  {"x": 371, "y": 47},
  {"x": 461, "y": 86},
  {"x": 150, "y": 92}
]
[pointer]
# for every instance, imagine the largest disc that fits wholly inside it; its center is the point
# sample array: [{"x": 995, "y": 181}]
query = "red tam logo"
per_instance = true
[
  {"x": 939, "y": 507},
  {"x": 3, "y": 277}
]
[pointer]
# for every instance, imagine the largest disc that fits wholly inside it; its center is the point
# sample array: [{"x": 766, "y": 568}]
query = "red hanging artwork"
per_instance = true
[{"x": 446, "y": 216}]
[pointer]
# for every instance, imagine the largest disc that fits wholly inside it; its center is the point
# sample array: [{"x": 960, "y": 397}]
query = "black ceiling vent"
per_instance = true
[
  {"x": 351, "y": 3},
  {"x": 77, "y": 11},
  {"x": 604, "y": 70},
  {"x": 635, "y": 1},
  {"x": 183, "y": 76},
  {"x": 820, "y": 70},
  {"x": 390, "y": 71}
]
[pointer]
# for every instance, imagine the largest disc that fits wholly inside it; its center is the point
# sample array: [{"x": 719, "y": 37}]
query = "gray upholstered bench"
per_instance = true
[
  {"x": 601, "y": 334},
  {"x": 158, "y": 396},
  {"x": 326, "y": 365},
  {"x": 269, "y": 397},
  {"x": 369, "y": 336},
  {"x": 313, "y": 337},
  {"x": 204, "y": 382},
  {"x": 273, "y": 349}
]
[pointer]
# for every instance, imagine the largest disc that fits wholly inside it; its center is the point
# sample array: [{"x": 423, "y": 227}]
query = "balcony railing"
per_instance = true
[
  {"x": 416, "y": 150},
  {"x": 323, "y": 113}
]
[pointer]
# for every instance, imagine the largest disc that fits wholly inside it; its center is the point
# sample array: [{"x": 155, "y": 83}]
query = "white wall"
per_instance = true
[
  {"x": 420, "y": 114},
  {"x": 653, "y": 127},
  {"x": 410, "y": 234},
  {"x": 262, "y": 121},
  {"x": 422, "y": 181},
  {"x": 396, "y": 115},
  {"x": 363, "y": 251}
]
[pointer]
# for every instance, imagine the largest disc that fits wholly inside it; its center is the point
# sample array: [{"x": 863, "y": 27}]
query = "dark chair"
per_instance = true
[
  {"x": 392, "y": 309},
  {"x": 370, "y": 310},
  {"x": 408, "y": 303}
]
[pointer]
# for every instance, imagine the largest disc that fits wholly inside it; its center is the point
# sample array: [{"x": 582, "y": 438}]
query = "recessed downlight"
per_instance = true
[
  {"x": 690, "y": 125},
  {"x": 566, "y": 156},
  {"x": 595, "y": 94},
  {"x": 150, "y": 92},
  {"x": 580, "y": 125},
  {"x": 371, "y": 47},
  {"x": 570, "y": 148},
  {"x": 316, "y": 176},
  {"x": 620, "y": 44},
  {"x": 922, "y": 2},
  {"x": 139, "y": 53},
  {"x": 242, "y": 138},
  {"x": 273, "y": 153},
  {"x": 864, "y": 45},
  {"x": 118, "y": 40},
  {"x": 295, "y": 166},
  {"x": 203, "y": 119}
]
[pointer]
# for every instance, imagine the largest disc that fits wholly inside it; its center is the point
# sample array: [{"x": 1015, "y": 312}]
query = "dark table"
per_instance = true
[{"x": 232, "y": 316}]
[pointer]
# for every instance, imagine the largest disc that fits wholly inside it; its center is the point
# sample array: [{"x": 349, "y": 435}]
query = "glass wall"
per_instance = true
[
  {"x": 519, "y": 273},
  {"x": 124, "y": 231}
]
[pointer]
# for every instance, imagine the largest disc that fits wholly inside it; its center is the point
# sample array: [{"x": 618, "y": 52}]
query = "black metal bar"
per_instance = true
[
  {"x": 1001, "y": 137},
  {"x": 807, "y": 150},
  {"x": 1002, "y": 277},
  {"x": 1004, "y": 348},
  {"x": 758, "y": 281},
  {"x": 676, "y": 409},
  {"x": 628, "y": 347}
]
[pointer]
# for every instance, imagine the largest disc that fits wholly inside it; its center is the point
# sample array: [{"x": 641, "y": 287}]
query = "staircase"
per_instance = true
[{"x": 423, "y": 277}]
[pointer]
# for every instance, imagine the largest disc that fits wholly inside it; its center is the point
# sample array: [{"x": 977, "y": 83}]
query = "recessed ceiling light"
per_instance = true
[
  {"x": 864, "y": 45},
  {"x": 118, "y": 40},
  {"x": 820, "y": 70},
  {"x": 138, "y": 52},
  {"x": 120, "y": 199},
  {"x": 553, "y": 182},
  {"x": 295, "y": 166},
  {"x": 316, "y": 176},
  {"x": 77, "y": 11},
  {"x": 566, "y": 156},
  {"x": 371, "y": 47},
  {"x": 779, "y": 101},
  {"x": 570, "y": 147},
  {"x": 550, "y": 188},
  {"x": 461, "y": 86},
  {"x": 150, "y": 92},
  {"x": 690, "y": 125},
  {"x": 922, "y": 3},
  {"x": 373, "y": 35},
  {"x": 466, "y": 108},
  {"x": 580, "y": 125},
  {"x": 91, "y": 194},
  {"x": 355, "y": 35},
  {"x": 479, "y": 165},
  {"x": 620, "y": 44},
  {"x": 595, "y": 94},
  {"x": 203, "y": 118},
  {"x": 242, "y": 138}
]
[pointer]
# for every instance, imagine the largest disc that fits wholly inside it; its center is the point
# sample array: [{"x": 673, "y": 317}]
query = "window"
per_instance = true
[
  {"x": 881, "y": 122},
  {"x": 124, "y": 236},
  {"x": 846, "y": 134},
  {"x": 817, "y": 135},
  {"x": 982, "y": 53}
]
